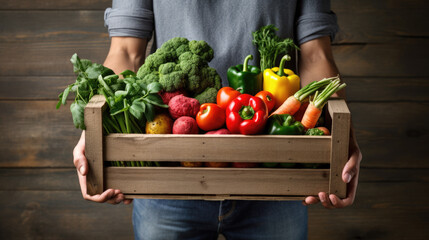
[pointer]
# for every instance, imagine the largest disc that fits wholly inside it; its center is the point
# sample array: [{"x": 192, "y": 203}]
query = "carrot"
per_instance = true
[
  {"x": 311, "y": 115},
  {"x": 300, "y": 113},
  {"x": 314, "y": 109},
  {"x": 290, "y": 106},
  {"x": 325, "y": 130},
  {"x": 293, "y": 103}
]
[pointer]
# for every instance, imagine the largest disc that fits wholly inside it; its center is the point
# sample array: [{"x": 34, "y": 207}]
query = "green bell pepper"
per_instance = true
[
  {"x": 283, "y": 124},
  {"x": 245, "y": 78}
]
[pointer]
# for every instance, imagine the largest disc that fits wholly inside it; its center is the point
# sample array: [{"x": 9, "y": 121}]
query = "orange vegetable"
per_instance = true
[
  {"x": 314, "y": 109},
  {"x": 293, "y": 103},
  {"x": 325, "y": 130}
]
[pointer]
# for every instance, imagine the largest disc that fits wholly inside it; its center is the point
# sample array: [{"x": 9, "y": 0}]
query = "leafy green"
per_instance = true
[
  {"x": 131, "y": 102},
  {"x": 270, "y": 45}
]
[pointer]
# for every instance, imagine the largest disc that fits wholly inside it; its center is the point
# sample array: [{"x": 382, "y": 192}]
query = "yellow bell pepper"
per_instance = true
[{"x": 281, "y": 82}]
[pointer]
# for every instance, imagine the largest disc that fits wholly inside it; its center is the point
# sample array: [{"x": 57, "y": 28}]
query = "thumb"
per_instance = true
[
  {"x": 79, "y": 159},
  {"x": 81, "y": 163},
  {"x": 350, "y": 169}
]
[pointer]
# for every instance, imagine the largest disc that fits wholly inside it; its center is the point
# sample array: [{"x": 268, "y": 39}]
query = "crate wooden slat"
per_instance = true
[
  {"x": 217, "y": 148},
  {"x": 212, "y": 181},
  {"x": 217, "y": 183},
  {"x": 94, "y": 143}
]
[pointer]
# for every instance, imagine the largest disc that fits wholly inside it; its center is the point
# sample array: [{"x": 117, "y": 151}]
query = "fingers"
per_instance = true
[
  {"x": 79, "y": 159},
  {"x": 310, "y": 200}
]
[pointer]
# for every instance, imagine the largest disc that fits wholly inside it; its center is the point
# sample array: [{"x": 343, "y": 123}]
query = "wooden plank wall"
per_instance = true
[{"x": 381, "y": 51}]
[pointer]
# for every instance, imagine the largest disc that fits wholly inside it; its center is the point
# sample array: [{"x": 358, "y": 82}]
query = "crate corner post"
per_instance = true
[
  {"x": 94, "y": 144},
  {"x": 340, "y": 115}
]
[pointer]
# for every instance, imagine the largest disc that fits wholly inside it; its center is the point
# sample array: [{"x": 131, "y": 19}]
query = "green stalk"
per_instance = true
[
  {"x": 111, "y": 122},
  {"x": 246, "y": 61},
  {"x": 321, "y": 99},
  {"x": 281, "y": 71},
  {"x": 127, "y": 120},
  {"x": 120, "y": 119},
  {"x": 105, "y": 86},
  {"x": 311, "y": 88}
]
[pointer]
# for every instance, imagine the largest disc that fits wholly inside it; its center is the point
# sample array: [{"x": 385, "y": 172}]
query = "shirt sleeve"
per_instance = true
[
  {"x": 315, "y": 19},
  {"x": 130, "y": 18}
]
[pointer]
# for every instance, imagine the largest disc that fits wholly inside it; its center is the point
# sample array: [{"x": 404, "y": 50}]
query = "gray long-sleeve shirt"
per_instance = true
[{"x": 226, "y": 25}]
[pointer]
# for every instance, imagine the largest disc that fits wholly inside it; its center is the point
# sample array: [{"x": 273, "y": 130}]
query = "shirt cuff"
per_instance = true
[
  {"x": 129, "y": 22},
  {"x": 314, "y": 25}
]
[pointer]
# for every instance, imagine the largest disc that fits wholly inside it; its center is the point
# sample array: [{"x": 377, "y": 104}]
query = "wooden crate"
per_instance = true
[{"x": 216, "y": 183}]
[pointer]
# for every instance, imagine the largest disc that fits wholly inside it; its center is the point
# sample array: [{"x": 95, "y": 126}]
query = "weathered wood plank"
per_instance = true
[
  {"x": 54, "y": 5},
  {"x": 94, "y": 149},
  {"x": 367, "y": 89},
  {"x": 383, "y": 60},
  {"x": 234, "y": 181},
  {"x": 49, "y": 58},
  {"x": 395, "y": 210},
  {"x": 370, "y": 89},
  {"x": 51, "y": 26},
  {"x": 392, "y": 134},
  {"x": 378, "y": 21},
  {"x": 340, "y": 131},
  {"x": 61, "y": 215},
  {"x": 225, "y": 148},
  {"x": 34, "y": 87},
  {"x": 40, "y": 179},
  {"x": 35, "y": 134}
]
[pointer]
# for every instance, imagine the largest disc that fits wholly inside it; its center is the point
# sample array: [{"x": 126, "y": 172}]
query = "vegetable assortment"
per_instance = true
[{"x": 176, "y": 92}]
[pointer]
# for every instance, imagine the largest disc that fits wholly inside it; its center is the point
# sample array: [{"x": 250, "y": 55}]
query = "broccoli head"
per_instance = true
[
  {"x": 181, "y": 64},
  {"x": 171, "y": 77},
  {"x": 207, "y": 96},
  {"x": 151, "y": 77},
  {"x": 152, "y": 64},
  {"x": 175, "y": 47},
  {"x": 202, "y": 49}
]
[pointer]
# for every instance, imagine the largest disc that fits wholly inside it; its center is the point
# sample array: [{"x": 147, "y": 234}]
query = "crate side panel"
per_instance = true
[
  {"x": 169, "y": 180},
  {"x": 217, "y": 148}
]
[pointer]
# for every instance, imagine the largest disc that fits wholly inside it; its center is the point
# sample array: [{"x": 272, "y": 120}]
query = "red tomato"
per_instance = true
[
  {"x": 225, "y": 95},
  {"x": 210, "y": 117},
  {"x": 268, "y": 98}
]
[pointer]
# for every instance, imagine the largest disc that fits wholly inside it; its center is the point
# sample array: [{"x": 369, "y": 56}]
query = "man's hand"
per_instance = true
[
  {"x": 350, "y": 176},
  {"x": 113, "y": 196}
]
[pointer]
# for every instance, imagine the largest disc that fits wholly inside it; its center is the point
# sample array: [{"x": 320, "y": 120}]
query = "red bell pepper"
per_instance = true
[{"x": 246, "y": 114}]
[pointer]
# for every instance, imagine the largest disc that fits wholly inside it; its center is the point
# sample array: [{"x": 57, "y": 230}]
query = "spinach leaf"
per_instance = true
[{"x": 77, "y": 110}]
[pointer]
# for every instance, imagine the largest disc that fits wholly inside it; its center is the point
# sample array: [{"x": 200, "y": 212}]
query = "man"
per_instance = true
[{"x": 226, "y": 26}]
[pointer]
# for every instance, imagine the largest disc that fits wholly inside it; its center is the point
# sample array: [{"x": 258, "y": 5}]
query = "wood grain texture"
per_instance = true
[
  {"x": 340, "y": 131},
  {"x": 54, "y": 5},
  {"x": 216, "y": 148},
  {"x": 61, "y": 215},
  {"x": 35, "y": 134},
  {"x": 370, "y": 21},
  {"x": 233, "y": 181},
  {"x": 52, "y": 26},
  {"x": 392, "y": 135},
  {"x": 94, "y": 148}
]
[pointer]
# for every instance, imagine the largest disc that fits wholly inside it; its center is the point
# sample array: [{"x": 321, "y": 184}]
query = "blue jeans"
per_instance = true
[{"x": 192, "y": 219}]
